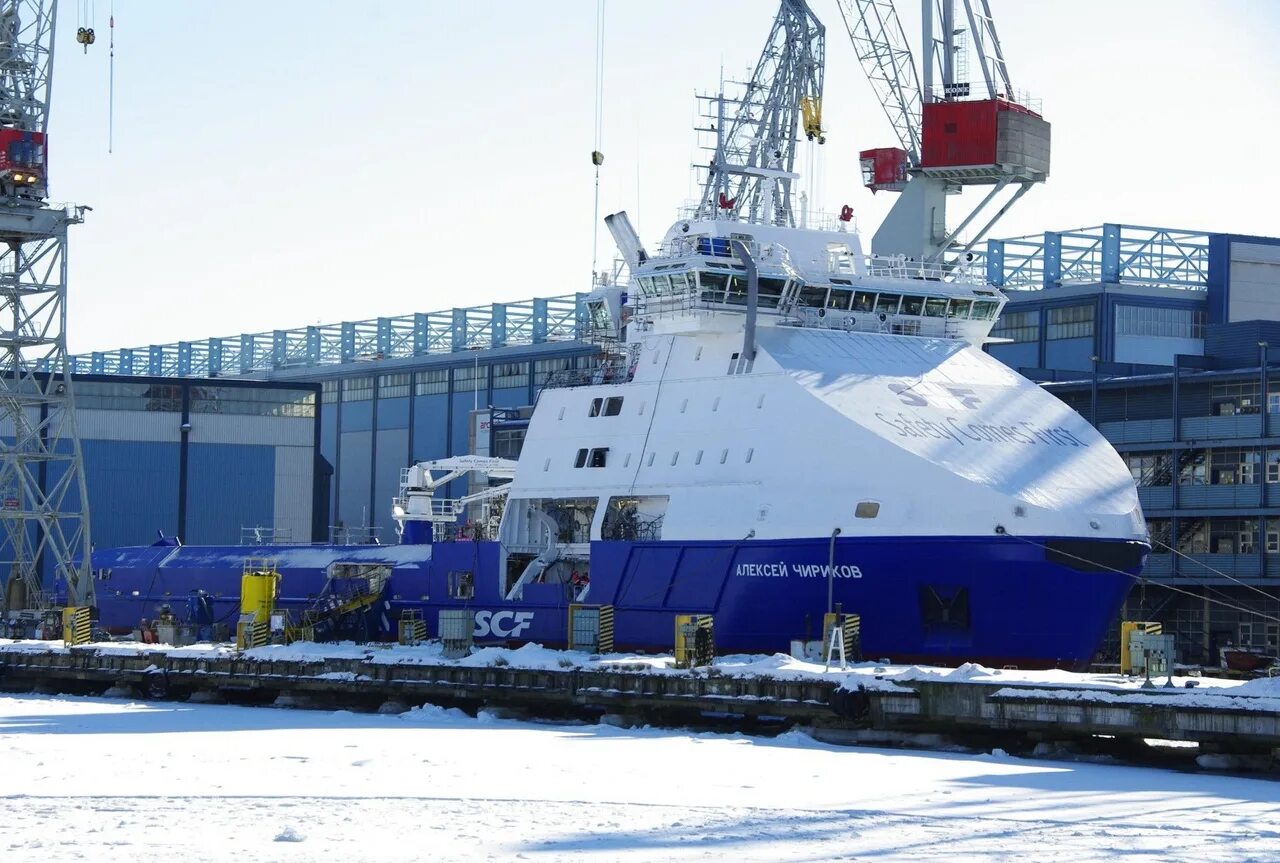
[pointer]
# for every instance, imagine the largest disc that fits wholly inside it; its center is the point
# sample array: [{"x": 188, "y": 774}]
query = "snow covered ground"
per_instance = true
[{"x": 112, "y": 780}]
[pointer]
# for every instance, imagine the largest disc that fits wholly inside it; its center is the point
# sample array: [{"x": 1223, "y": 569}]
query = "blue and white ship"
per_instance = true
[{"x": 756, "y": 447}]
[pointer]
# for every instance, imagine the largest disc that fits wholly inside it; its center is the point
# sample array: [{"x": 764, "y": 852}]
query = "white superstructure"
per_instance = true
[{"x": 863, "y": 403}]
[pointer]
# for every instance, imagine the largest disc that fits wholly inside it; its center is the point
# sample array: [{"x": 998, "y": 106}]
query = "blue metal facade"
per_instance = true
[{"x": 154, "y": 462}]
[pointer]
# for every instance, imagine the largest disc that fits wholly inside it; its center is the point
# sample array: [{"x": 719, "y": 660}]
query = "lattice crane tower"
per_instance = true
[
  {"x": 43, "y": 503},
  {"x": 754, "y": 152}
]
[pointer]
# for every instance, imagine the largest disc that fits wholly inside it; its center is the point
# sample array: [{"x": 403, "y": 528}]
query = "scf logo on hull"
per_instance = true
[{"x": 504, "y": 624}]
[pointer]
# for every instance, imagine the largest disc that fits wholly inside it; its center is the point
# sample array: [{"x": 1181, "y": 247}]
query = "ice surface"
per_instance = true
[{"x": 113, "y": 780}]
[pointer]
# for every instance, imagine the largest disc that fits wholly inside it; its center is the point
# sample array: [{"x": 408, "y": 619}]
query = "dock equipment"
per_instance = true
[
  {"x": 591, "y": 628},
  {"x": 457, "y": 631},
  {"x": 695, "y": 640},
  {"x": 259, "y": 587},
  {"x": 841, "y": 638},
  {"x": 1127, "y": 627},
  {"x": 413, "y": 629},
  {"x": 76, "y": 626}
]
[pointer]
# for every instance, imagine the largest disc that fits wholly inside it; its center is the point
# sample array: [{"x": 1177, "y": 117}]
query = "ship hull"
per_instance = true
[{"x": 998, "y": 600}]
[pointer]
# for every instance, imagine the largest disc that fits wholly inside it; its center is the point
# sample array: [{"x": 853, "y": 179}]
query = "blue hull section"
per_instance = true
[{"x": 996, "y": 600}]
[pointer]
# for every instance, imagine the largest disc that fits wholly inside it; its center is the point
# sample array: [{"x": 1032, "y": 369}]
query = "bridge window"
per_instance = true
[
  {"x": 961, "y": 308},
  {"x": 814, "y": 298},
  {"x": 713, "y": 285},
  {"x": 985, "y": 310},
  {"x": 912, "y": 305},
  {"x": 840, "y": 299},
  {"x": 935, "y": 307},
  {"x": 771, "y": 292},
  {"x": 887, "y": 304},
  {"x": 864, "y": 301}
]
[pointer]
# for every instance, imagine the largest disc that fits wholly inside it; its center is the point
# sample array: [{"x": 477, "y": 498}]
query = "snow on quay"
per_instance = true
[{"x": 114, "y": 780}]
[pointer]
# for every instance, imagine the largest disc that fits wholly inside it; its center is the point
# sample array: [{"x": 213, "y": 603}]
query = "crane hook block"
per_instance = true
[
  {"x": 85, "y": 37},
  {"x": 597, "y": 158}
]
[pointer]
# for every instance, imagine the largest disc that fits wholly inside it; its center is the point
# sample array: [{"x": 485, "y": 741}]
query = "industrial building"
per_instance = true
[
  {"x": 1169, "y": 342},
  {"x": 1155, "y": 335},
  {"x": 202, "y": 460}
]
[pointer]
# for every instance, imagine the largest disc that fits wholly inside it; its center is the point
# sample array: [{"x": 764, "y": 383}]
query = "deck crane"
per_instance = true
[
  {"x": 754, "y": 152},
  {"x": 947, "y": 138},
  {"x": 43, "y": 503}
]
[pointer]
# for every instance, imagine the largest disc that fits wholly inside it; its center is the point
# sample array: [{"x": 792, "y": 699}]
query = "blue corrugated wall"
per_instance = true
[
  {"x": 133, "y": 490},
  {"x": 229, "y": 486}
]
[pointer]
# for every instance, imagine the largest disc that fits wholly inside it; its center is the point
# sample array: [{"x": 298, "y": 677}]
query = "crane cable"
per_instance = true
[
  {"x": 111, "y": 80},
  {"x": 597, "y": 157}
]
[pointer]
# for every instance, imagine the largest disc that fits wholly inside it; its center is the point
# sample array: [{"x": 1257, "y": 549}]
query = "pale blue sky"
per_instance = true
[{"x": 284, "y": 163}]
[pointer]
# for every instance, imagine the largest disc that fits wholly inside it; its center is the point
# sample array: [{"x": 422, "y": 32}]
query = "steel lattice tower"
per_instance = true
[{"x": 43, "y": 501}]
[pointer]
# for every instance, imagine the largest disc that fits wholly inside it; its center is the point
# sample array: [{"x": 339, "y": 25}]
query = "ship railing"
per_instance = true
[
  {"x": 805, "y": 218},
  {"x": 617, "y": 369},
  {"x": 260, "y": 535},
  {"x": 363, "y": 535},
  {"x": 896, "y": 268}
]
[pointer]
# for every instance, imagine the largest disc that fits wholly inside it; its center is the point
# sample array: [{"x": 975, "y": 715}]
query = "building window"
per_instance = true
[
  {"x": 1072, "y": 322},
  {"x": 393, "y": 386},
  {"x": 1233, "y": 535},
  {"x": 1192, "y": 467},
  {"x": 470, "y": 378},
  {"x": 544, "y": 369},
  {"x": 1273, "y": 535},
  {"x": 1149, "y": 469},
  {"x": 1159, "y": 529},
  {"x": 1193, "y": 536},
  {"x": 1233, "y": 467},
  {"x": 1273, "y": 465},
  {"x": 357, "y": 389},
  {"x": 253, "y": 402},
  {"x": 432, "y": 381},
  {"x": 1019, "y": 326},
  {"x": 1160, "y": 323},
  {"x": 1265, "y": 636},
  {"x": 329, "y": 391},
  {"x": 1234, "y": 397},
  {"x": 507, "y": 443},
  {"x": 510, "y": 375}
]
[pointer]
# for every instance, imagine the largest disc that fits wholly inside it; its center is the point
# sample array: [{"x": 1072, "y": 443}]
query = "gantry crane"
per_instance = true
[
  {"x": 43, "y": 501},
  {"x": 754, "y": 149},
  {"x": 951, "y": 135}
]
